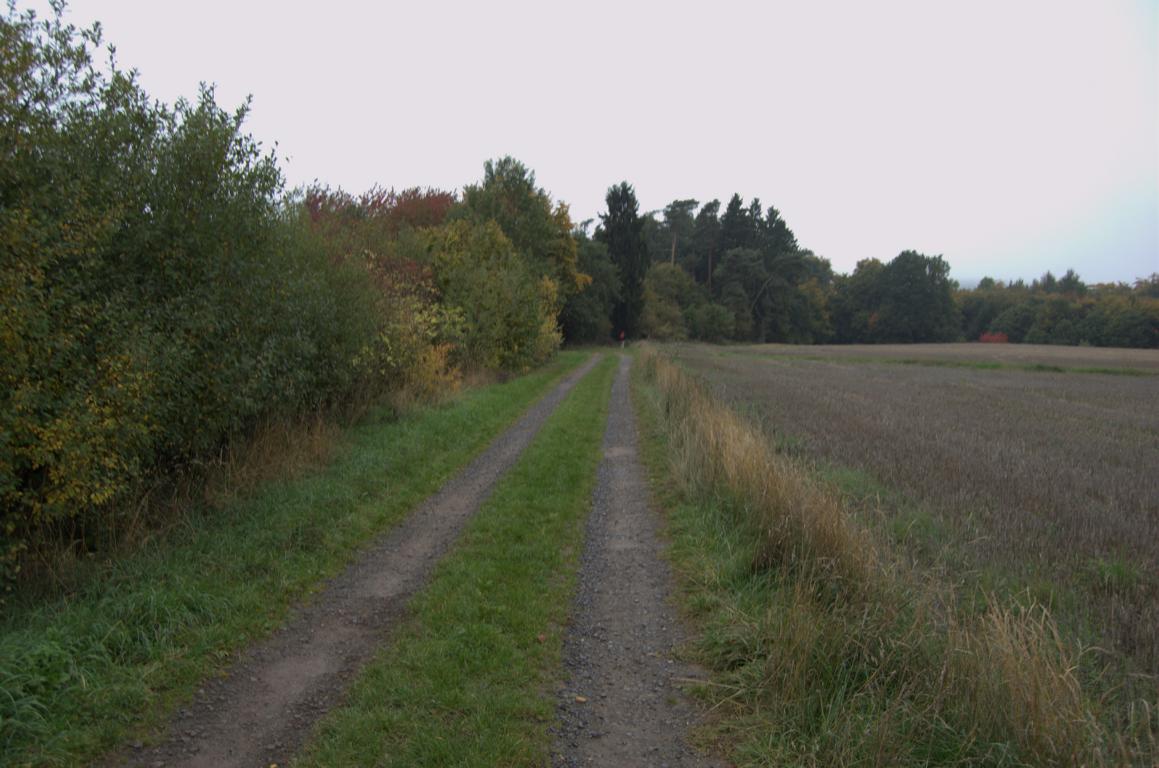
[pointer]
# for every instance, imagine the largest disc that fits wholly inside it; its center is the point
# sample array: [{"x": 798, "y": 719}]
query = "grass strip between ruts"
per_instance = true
[
  {"x": 467, "y": 681},
  {"x": 80, "y": 674}
]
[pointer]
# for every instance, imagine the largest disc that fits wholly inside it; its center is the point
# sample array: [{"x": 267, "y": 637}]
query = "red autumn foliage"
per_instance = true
[
  {"x": 402, "y": 277},
  {"x": 420, "y": 207},
  {"x": 415, "y": 207},
  {"x": 997, "y": 337}
]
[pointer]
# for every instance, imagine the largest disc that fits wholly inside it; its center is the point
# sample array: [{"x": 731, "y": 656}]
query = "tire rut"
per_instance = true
[
  {"x": 622, "y": 705},
  {"x": 263, "y": 711}
]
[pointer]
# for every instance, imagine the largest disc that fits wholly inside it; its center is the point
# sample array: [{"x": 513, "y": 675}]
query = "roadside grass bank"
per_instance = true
[
  {"x": 467, "y": 681},
  {"x": 826, "y": 648},
  {"x": 84, "y": 671},
  {"x": 1003, "y": 481}
]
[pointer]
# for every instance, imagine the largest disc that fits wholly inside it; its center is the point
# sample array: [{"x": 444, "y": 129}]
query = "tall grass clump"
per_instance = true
[
  {"x": 830, "y": 651},
  {"x": 715, "y": 452}
]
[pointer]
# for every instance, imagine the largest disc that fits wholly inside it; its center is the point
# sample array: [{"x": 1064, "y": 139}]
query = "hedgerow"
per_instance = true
[{"x": 162, "y": 294}]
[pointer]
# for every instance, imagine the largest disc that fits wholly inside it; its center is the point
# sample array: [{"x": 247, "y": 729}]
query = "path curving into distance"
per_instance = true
[
  {"x": 264, "y": 710},
  {"x": 622, "y": 705}
]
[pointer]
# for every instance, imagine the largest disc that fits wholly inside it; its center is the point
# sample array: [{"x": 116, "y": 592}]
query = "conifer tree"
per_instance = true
[{"x": 622, "y": 231}]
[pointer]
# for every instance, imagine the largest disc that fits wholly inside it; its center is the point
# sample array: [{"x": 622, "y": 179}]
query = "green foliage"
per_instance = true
[
  {"x": 910, "y": 299},
  {"x": 671, "y": 239},
  {"x": 161, "y": 295},
  {"x": 917, "y": 302},
  {"x": 509, "y": 313},
  {"x": 1121, "y": 321},
  {"x": 668, "y": 291},
  {"x": 748, "y": 267},
  {"x": 540, "y": 230},
  {"x": 82, "y": 670},
  {"x": 587, "y": 315},
  {"x": 407, "y": 350},
  {"x": 676, "y": 308},
  {"x": 1015, "y": 321},
  {"x": 709, "y": 322},
  {"x": 704, "y": 248},
  {"x": 812, "y": 323},
  {"x": 1063, "y": 311},
  {"x": 155, "y": 299},
  {"x": 622, "y": 231}
]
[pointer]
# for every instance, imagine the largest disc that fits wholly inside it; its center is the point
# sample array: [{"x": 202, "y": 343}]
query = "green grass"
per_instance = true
[
  {"x": 467, "y": 681},
  {"x": 82, "y": 672}
]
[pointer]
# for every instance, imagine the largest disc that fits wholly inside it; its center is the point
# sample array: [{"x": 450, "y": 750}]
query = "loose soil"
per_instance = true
[
  {"x": 263, "y": 710},
  {"x": 623, "y": 704},
  {"x": 1141, "y": 360}
]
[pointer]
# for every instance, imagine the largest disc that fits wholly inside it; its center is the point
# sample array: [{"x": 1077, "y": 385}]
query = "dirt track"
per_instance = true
[
  {"x": 264, "y": 710},
  {"x": 622, "y": 705}
]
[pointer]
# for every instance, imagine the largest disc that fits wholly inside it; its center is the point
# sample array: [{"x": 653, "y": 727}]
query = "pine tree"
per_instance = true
[{"x": 622, "y": 231}]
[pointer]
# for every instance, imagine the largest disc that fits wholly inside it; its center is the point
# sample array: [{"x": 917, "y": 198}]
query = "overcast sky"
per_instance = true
[{"x": 1010, "y": 136}]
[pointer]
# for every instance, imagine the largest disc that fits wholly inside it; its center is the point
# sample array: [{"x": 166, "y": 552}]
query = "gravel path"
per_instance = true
[
  {"x": 622, "y": 705},
  {"x": 263, "y": 712}
]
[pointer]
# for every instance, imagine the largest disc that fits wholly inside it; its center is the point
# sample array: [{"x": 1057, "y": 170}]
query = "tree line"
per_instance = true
[
  {"x": 693, "y": 271},
  {"x": 163, "y": 294}
]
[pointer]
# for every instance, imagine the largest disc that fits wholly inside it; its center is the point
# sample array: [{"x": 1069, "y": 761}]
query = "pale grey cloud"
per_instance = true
[{"x": 1011, "y": 137}]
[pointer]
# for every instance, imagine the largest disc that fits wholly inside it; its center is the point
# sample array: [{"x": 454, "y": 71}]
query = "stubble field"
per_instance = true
[{"x": 1022, "y": 470}]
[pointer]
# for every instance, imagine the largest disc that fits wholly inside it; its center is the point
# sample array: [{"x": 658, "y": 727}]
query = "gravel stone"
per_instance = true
[{"x": 619, "y": 651}]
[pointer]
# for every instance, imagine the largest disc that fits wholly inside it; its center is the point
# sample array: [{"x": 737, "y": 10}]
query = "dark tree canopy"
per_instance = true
[
  {"x": 705, "y": 243},
  {"x": 587, "y": 315},
  {"x": 622, "y": 231},
  {"x": 910, "y": 299}
]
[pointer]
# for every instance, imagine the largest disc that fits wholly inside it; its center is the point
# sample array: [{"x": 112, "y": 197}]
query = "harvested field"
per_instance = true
[
  {"x": 983, "y": 355},
  {"x": 1011, "y": 479}
]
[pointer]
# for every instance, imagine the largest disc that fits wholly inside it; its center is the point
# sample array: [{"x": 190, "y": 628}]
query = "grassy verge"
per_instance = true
[
  {"x": 828, "y": 650},
  {"x": 82, "y": 671},
  {"x": 466, "y": 682}
]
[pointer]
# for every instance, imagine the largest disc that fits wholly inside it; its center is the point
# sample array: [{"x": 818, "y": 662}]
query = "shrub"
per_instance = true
[
  {"x": 587, "y": 314},
  {"x": 709, "y": 322},
  {"x": 509, "y": 315},
  {"x": 157, "y": 298}
]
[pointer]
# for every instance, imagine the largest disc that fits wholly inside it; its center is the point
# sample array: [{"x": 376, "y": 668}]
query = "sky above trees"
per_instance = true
[{"x": 1011, "y": 138}]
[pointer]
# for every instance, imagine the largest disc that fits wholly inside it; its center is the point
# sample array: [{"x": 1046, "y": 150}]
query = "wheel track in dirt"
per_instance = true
[
  {"x": 622, "y": 705},
  {"x": 263, "y": 711}
]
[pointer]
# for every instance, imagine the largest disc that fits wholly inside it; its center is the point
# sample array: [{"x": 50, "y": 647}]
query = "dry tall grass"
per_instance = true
[
  {"x": 715, "y": 451},
  {"x": 278, "y": 449},
  {"x": 1017, "y": 479},
  {"x": 858, "y": 659}
]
